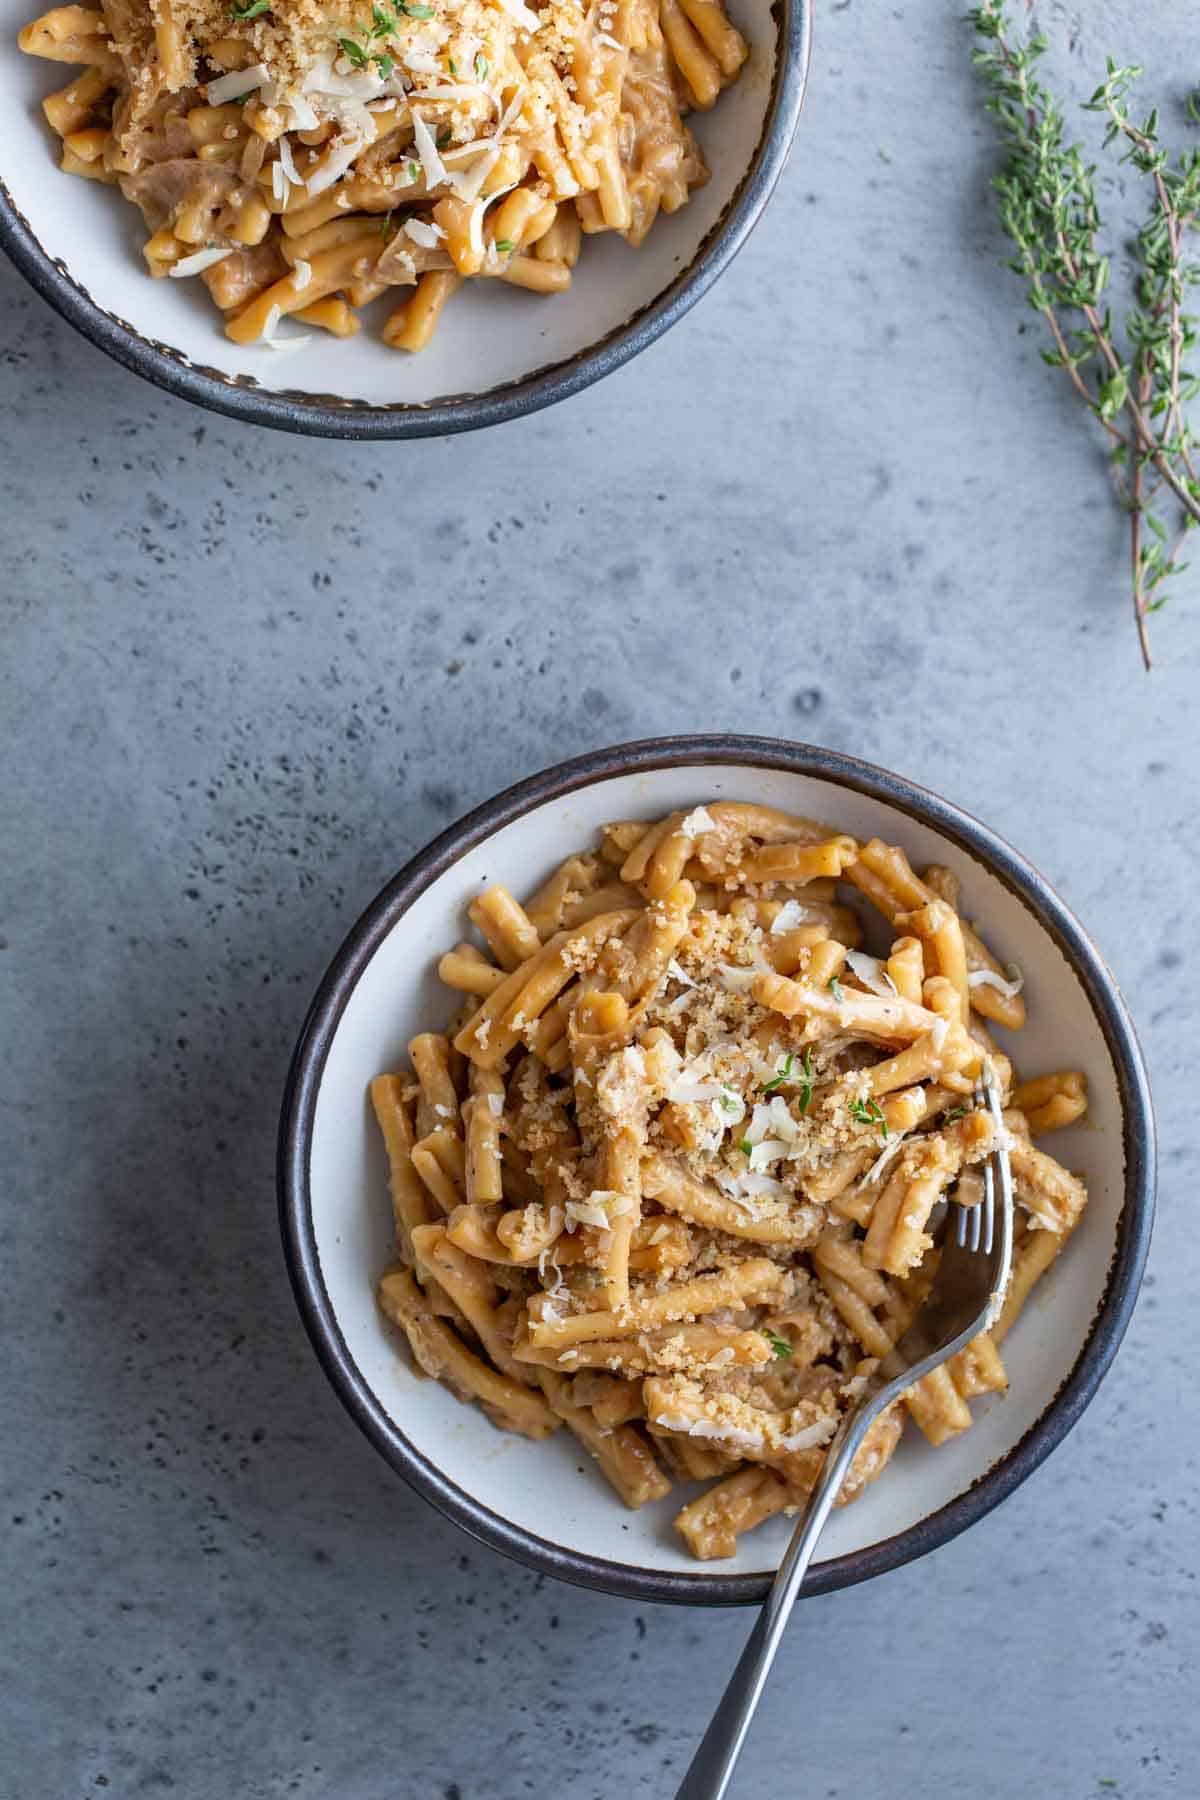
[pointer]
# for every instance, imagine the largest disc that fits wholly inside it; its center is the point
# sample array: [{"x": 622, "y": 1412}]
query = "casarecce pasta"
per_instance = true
[
  {"x": 303, "y": 159},
  {"x": 672, "y": 1178}
]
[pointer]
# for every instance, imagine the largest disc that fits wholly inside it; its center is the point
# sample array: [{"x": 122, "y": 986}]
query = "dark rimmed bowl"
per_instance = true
[
  {"x": 497, "y": 356},
  {"x": 531, "y": 1501}
]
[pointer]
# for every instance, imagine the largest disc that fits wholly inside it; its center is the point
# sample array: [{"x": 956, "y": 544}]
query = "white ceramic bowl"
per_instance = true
[
  {"x": 545, "y": 1503},
  {"x": 497, "y": 353}
]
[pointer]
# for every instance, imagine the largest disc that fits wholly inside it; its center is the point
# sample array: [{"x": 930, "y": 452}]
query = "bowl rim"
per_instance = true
[
  {"x": 330, "y": 416},
  {"x": 967, "y": 833}
]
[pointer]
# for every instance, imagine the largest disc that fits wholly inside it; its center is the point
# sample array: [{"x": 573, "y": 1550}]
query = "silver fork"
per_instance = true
[{"x": 964, "y": 1300}]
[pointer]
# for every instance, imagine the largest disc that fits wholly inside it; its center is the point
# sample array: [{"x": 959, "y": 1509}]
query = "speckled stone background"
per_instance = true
[{"x": 244, "y": 676}]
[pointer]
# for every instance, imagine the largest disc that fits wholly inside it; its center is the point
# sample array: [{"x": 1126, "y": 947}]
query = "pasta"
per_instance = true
[
  {"x": 673, "y": 1177},
  {"x": 303, "y": 159}
]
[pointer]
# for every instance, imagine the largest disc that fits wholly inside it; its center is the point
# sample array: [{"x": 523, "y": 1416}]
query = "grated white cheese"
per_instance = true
[
  {"x": 335, "y": 165},
  {"x": 761, "y": 1184},
  {"x": 599, "y": 1209},
  {"x": 938, "y": 1031},
  {"x": 422, "y": 63},
  {"x": 811, "y": 1435},
  {"x": 237, "y": 83},
  {"x": 881, "y": 1162},
  {"x": 197, "y": 262},
  {"x": 791, "y": 914},
  {"x": 511, "y": 112},
  {"x": 303, "y": 116},
  {"x": 296, "y": 342},
  {"x": 686, "y": 1090},
  {"x": 989, "y": 978},
  {"x": 287, "y": 162},
  {"x": 760, "y": 1123},
  {"x": 339, "y": 82},
  {"x": 521, "y": 14},
  {"x": 426, "y": 235},
  {"x": 495, "y": 1105},
  {"x": 475, "y": 222},
  {"x": 696, "y": 822},
  {"x": 453, "y": 90},
  {"x": 431, "y": 162},
  {"x": 467, "y": 183},
  {"x": 871, "y": 972},
  {"x": 709, "y": 1428},
  {"x": 735, "y": 980},
  {"x": 767, "y": 1151}
]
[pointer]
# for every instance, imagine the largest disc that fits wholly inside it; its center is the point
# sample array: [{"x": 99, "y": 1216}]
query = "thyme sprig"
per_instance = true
[{"x": 1135, "y": 383}]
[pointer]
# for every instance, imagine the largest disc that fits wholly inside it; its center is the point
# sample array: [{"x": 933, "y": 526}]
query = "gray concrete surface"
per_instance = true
[{"x": 244, "y": 677}]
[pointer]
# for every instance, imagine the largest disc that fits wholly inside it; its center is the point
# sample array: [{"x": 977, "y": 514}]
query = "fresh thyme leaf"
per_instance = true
[
  {"x": 504, "y": 246},
  {"x": 1134, "y": 380},
  {"x": 836, "y": 989},
  {"x": 779, "y": 1345},
  {"x": 354, "y": 53},
  {"x": 481, "y": 67},
  {"x": 745, "y": 1146},
  {"x": 384, "y": 22},
  {"x": 385, "y": 65},
  {"x": 453, "y": 66},
  {"x": 806, "y": 1086},
  {"x": 727, "y": 1100},
  {"x": 252, "y": 9},
  {"x": 784, "y": 1074},
  {"x": 958, "y": 1112},
  {"x": 869, "y": 1112},
  {"x": 414, "y": 12},
  {"x": 414, "y": 170}
]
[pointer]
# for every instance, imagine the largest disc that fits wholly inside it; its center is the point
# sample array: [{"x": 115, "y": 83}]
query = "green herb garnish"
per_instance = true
[
  {"x": 784, "y": 1074},
  {"x": 386, "y": 228},
  {"x": 414, "y": 170},
  {"x": 481, "y": 67},
  {"x": 453, "y": 66},
  {"x": 385, "y": 65},
  {"x": 835, "y": 988},
  {"x": 959, "y": 1112},
  {"x": 779, "y": 1345},
  {"x": 745, "y": 1146},
  {"x": 444, "y": 136},
  {"x": 354, "y": 53},
  {"x": 252, "y": 9},
  {"x": 505, "y": 247},
  {"x": 727, "y": 1100},
  {"x": 415, "y": 12},
  {"x": 1135, "y": 382},
  {"x": 384, "y": 22},
  {"x": 806, "y": 1086},
  {"x": 869, "y": 1112}
]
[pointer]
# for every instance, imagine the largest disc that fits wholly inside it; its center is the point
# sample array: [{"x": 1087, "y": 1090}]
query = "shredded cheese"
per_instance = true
[
  {"x": 427, "y": 151},
  {"x": 989, "y": 978},
  {"x": 871, "y": 972},
  {"x": 237, "y": 83},
  {"x": 197, "y": 262},
  {"x": 696, "y": 822}
]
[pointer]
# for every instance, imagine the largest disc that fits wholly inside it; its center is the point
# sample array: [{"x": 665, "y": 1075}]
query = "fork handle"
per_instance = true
[{"x": 711, "y": 1769}]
